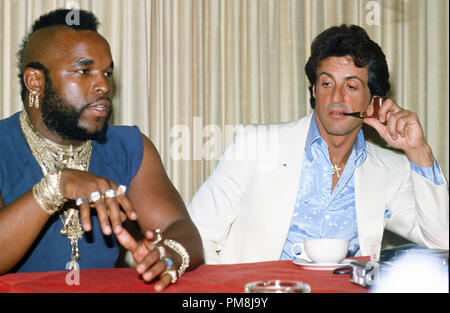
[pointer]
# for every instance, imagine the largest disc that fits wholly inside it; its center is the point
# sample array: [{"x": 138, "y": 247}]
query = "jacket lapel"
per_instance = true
[
  {"x": 370, "y": 200},
  {"x": 285, "y": 183}
]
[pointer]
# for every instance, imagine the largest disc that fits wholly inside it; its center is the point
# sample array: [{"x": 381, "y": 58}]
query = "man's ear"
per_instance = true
[
  {"x": 34, "y": 80},
  {"x": 314, "y": 91}
]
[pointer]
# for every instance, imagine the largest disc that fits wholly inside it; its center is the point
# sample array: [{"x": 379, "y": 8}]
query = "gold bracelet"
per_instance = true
[
  {"x": 178, "y": 248},
  {"x": 48, "y": 193}
]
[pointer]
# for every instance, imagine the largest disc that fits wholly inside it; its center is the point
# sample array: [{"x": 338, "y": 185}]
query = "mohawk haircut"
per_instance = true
[{"x": 85, "y": 20}]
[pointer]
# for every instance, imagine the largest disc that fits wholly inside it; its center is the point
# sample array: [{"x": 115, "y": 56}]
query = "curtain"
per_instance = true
[{"x": 188, "y": 71}]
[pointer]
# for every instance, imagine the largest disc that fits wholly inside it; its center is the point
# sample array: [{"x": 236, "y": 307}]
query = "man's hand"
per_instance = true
[
  {"x": 147, "y": 258},
  {"x": 401, "y": 129},
  {"x": 79, "y": 184}
]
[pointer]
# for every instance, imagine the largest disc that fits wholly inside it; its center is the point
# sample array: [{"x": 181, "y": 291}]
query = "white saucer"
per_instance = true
[{"x": 322, "y": 266}]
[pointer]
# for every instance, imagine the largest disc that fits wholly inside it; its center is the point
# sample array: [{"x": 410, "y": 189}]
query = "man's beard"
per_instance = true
[{"x": 62, "y": 118}]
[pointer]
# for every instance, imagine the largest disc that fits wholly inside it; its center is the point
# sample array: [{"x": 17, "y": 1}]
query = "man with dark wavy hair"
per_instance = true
[
  {"x": 350, "y": 41},
  {"x": 68, "y": 180},
  {"x": 320, "y": 177}
]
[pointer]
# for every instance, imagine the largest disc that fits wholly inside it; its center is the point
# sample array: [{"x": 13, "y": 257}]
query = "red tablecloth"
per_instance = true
[{"x": 205, "y": 279}]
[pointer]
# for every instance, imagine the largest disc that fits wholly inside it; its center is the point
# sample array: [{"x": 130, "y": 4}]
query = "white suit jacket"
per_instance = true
[{"x": 244, "y": 209}]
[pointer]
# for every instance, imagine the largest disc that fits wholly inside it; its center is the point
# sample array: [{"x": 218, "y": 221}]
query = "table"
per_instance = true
[{"x": 225, "y": 278}]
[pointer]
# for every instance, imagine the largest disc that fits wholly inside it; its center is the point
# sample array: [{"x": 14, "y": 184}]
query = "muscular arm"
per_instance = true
[
  {"x": 20, "y": 224},
  {"x": 159, "y": 205}
]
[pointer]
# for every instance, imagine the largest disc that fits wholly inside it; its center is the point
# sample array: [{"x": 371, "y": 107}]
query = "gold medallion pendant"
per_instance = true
[
  {"x": 51, "y": 158},
  {"x": 72, "y": 230},
  {"x": 335, "y": 169}
]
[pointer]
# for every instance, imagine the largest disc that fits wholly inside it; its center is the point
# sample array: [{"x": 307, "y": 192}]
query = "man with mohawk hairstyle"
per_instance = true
[{"x": 68, "y": 180}]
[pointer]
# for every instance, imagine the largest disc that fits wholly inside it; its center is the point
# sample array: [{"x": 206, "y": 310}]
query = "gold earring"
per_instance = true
[
  {"x": 34, "y": 99},
  {"x": 31, "y": 99}
]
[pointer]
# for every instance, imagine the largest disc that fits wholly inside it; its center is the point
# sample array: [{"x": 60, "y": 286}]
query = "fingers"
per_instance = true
[
  {"x": 396, "y": 119},
  {"x": 113, "y": 210},
  {"x": 127, "y": 241},
  {"x": 163, "y": 282},
  {"x": 142, "y": 255},
  {"x": 153, "y": 266},
  {"x": 150, "y": 258},
  {"x": 85, "y": 215},
  {"x": 108, "y": 207},
  {"x": 123, "y": 217},
  {"x": 148, "y": 253},
  {"x": 92, "y": 191},
  {"x": 150, "y": 235},
  {"x": 402, "y": 129},
  {"x": 388, "y": 108},
  {"x": 125, "y": 203},
  {"x": 396, "y": 124}
]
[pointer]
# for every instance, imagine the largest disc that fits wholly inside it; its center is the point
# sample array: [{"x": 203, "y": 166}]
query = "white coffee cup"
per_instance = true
[{"x": 322, "y": 250}]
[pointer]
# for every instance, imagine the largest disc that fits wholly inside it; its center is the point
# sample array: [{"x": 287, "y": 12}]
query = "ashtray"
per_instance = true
[{"x": 277, "y": 286}]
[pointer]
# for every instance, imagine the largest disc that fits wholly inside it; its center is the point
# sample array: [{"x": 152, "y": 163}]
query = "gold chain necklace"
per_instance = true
[
  {"x": 335, "y": 169},
  {"x": 52, "y": 157}
]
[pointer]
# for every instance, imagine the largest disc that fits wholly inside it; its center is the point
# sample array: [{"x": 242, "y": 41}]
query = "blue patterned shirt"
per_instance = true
[{"x": 320, "y": 213}]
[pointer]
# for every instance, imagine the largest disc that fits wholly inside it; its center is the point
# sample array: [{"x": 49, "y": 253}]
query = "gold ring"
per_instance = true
[
  {"x": 95, "y": 196},
  {"x": 121, "y": 190},
  {"x": 173, "y": 275},
  {"x": 162, "y": 252},
  {"x": 158, "y": 236},
  {"x": 81, "y": 201},
  {"x": 109, "y": 194}
]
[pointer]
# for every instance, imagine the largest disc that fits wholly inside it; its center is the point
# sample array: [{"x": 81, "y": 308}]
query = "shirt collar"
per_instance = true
[{"x": 313, "y": 136}]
